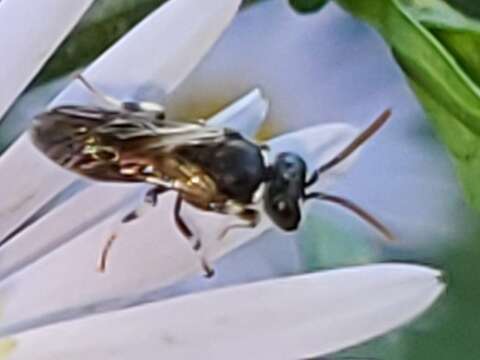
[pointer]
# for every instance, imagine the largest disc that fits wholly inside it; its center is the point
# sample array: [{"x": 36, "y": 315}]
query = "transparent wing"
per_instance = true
[
  {"x": 114, "y": 145},
  {"x": 159, "y": 133},
  {"x": 124, "y": 126}
]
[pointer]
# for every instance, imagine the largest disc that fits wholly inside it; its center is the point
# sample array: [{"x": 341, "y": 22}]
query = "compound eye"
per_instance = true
[
  {"x": 285, "y": 213},
  {"x": 290, "y": 167}
]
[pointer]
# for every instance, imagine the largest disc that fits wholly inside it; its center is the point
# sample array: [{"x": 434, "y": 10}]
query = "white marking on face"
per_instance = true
[{"x": 258, "y": 194}]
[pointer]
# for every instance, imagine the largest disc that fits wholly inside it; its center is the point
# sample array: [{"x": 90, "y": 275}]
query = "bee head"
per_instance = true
[
  {"x": 287, "y": 183},
  {"x": 285, "y": 189}
]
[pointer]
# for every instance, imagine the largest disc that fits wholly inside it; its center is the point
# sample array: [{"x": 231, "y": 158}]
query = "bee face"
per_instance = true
[{"x": 285, "y": 190}]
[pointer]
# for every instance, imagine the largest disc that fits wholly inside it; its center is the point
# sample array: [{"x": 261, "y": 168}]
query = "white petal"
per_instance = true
[
  {"x": 63, "y": 224},
  {"x": 250, "y": 111},
  {"x": 29, "y": 180},
  {"x": 155, "y": 56},
  {"x": 30, "y": 33},
  {"x": 33, "y": 102},
  {"x": 290, "y": 318},
  {"x": 149, "y": 254}
]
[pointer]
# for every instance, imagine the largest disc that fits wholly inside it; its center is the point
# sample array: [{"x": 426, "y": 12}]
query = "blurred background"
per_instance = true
[
  {"x": 319, "y": 68},
  {"x": 470, "y": 7}
]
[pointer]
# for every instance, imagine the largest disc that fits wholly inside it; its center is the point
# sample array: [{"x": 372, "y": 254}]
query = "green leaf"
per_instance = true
[
  {"x": 438, "y": 49},
  {"x": 306, "y": 6},
  {"x": 459, "y": 34},
  {"x": 469, "y": 7}
]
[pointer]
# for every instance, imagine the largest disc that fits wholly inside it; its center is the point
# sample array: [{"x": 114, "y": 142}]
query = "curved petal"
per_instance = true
[
  {"x": 291, "y": 318},
  {"x": 64, "y": 223},
  {"x": 149, "y": 253},
  {"x": 246, "y": 115},
  {"x": 159, "y": 53},
  {"x": 31, "y": 31},
  {"x": 154, "y": 57},
  {"x": 29, "y": 104}
]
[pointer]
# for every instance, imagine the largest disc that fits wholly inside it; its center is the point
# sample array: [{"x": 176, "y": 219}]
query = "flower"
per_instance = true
[{"x": 42, "y": 261}]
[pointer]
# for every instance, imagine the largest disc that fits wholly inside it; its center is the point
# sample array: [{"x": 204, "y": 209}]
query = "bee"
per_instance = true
[{"x": 214, "y": 169}]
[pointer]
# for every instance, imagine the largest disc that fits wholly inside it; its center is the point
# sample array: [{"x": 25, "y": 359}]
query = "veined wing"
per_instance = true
[
  {"x": 157, "y": 133},
  {"x": 68, "y": 122},
  {"x": 103, "y": 144}
]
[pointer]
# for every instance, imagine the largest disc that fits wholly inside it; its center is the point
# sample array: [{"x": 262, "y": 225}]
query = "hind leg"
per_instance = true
[
  {"x": 154, "y": 110},
  {"x": 149, "y": 201}
]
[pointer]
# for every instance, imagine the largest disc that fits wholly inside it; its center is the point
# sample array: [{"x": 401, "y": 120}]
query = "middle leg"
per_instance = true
[
  {"x": 188, "y": 233},
  {"x": 183, "y": 227}
]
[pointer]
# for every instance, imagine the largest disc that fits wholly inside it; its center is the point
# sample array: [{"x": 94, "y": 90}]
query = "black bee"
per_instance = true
[{"x": 213, "y": 169}]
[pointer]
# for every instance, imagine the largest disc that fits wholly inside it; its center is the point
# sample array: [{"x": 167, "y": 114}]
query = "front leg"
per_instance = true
[{"x": 251, "y": 218}]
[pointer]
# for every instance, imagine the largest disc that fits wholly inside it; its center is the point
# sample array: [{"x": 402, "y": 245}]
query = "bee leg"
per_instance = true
[
  {"x": 106, "y": 99},
  {"x": 156, "y": 111},
  {"x": 207, "y": 268},
  {"x": 252, "y": 218},
  {"x": 102, "y": 262},
  {"x": 151, "y": 198},
  {"x": 188, "y": 233},
  {"x": 183, "y": 227}
]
